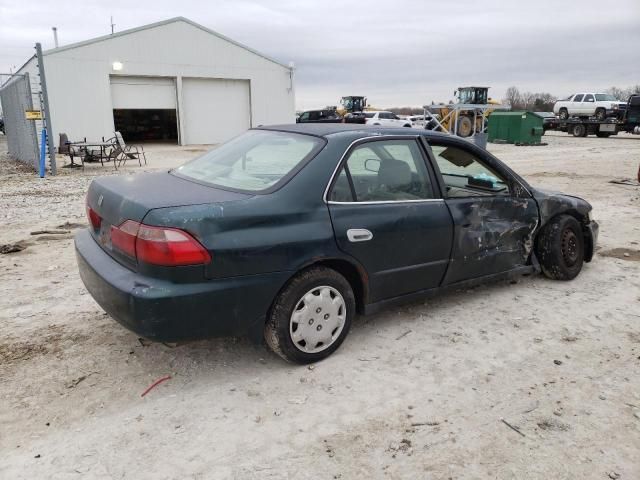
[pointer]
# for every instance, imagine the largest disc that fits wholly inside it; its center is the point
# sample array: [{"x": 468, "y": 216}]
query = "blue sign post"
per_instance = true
[{"x": 43, "y": 152}]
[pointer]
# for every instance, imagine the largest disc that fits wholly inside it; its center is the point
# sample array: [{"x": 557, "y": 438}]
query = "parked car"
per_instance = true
[
  {"x": 288, "y": 231},
  {"x": 549, "y": 120},
  {"x": 417, "y": 121},
  {"x": 600, "y": 105},
  {"x": 319, "y": 116},
  {"x": 386, "y": 119}
]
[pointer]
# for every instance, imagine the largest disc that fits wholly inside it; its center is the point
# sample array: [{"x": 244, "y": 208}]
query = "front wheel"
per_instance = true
[
  {"x": 560, "y": 248},
  {"x": 311, "y": 317},
  {"x": 601, "y": 114},
  {"x": 563, "y": 114}
]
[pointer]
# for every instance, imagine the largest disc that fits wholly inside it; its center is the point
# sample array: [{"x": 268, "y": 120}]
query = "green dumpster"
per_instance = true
[{"x": 521, "y": 128}]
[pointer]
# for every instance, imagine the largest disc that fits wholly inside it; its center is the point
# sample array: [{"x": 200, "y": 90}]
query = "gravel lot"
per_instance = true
[{"x": 533, "y": 379}]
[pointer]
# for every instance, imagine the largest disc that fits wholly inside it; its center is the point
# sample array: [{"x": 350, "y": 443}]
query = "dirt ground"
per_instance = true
[{"x": 533, "y": 379}]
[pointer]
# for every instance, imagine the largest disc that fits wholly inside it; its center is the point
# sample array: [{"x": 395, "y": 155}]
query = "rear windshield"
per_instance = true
[{"x": 254, "y": 161}]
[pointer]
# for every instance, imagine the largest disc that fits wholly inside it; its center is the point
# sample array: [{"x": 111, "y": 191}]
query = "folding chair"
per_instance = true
[{"x": 134, "y": 152}]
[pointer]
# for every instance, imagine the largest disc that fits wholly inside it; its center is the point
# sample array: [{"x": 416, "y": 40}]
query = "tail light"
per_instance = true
[
  {"x": 94, "y": 218},
  {"x": 168, "y": 247}
]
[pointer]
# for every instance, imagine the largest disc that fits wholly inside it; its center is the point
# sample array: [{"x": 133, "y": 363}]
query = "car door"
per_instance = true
[
  {"x": 588, "y": 104},
  {"x": 388, "y": 214},
  {"x": 494, "y": 215},
  {"x": 575, "y": 108}
]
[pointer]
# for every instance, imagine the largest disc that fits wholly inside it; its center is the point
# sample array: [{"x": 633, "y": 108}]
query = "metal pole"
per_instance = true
[{"x": 47, "y": 113}]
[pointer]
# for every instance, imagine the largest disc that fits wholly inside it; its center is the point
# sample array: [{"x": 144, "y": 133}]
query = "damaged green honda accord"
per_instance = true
[{"x": 285, "y": 232}]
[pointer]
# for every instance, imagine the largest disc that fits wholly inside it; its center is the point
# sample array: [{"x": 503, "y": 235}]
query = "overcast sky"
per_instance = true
[{"x": 396, "y": 52}]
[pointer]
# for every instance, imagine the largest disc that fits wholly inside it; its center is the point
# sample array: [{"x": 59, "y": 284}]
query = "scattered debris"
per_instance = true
[
  {"x": 558, "y": 362},
  {"x": 155, "y": 384},
  {"x": 74, "y": 383},
  {"x": 144, "y": 342},
  {"x": 529, "y": 410},
  {"x": 614, "y": 475},
  {"x": 71, "y": 225},
  {"x": 12, "y": 247},
  {"x": 552, "y": 424},
  {"x": 404, "y": 334},
  {"x": 368, "y": 359},
  {"x": 602, "y": 397},
  {"x": 626, "y": 181},
  {"x": 50, "y": 232},
  {"x": 430, "y": 423},
  {"x": 515, "y": 429},
  {"x": 622, "y": 254}
]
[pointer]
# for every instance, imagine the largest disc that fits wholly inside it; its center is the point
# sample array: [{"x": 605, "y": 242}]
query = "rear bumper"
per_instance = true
[{"x": 165, "y": 311}]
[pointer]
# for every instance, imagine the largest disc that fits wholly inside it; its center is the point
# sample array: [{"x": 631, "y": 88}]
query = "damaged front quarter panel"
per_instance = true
[{"x": 551, "y": 204}]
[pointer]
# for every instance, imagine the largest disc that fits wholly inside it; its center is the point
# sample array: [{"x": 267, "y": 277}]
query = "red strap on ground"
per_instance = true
[{"x": 155, "y": 384}]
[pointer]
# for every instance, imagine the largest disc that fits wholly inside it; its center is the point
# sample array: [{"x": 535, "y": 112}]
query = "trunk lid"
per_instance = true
[{"x": 118, "y": 198}]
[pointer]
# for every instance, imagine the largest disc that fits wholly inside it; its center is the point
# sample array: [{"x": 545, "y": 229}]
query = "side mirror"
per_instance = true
[{"x": 372, "y": 165}]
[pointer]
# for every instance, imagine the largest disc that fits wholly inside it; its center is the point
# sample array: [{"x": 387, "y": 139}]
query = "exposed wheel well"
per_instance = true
[
  {"x": 588, "y": 241},
  {"x": 354, "y": 276}
]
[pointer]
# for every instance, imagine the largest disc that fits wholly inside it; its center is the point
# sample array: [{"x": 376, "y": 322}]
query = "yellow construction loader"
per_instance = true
[{"x": 472, "y": 106}]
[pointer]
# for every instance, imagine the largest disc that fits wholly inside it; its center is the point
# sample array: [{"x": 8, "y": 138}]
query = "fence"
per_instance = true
[{"x": 22, "y": 135}]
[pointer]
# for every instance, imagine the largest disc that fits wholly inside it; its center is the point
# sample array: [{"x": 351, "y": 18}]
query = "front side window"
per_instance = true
[
  {"x": 254, "y": 161},
  {"x": 383, "y": 171},
  {"x": 304, "y": 116},
  {"x": 578, "y": 98},
  {"x": 465, "y": 175}
]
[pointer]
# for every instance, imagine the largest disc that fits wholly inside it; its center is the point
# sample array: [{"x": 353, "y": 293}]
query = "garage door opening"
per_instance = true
[
  {"x": 146, "y": 125},
  {"x": 144, "y": 108}
]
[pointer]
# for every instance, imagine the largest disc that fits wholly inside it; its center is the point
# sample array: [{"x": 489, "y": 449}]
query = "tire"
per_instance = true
[
  {"x": 465, "y": 127},
  {"x": 315, "y": 298},
  {"x": 603, "y": 134},
  {"x": 563, "y": 114},
  {"x": 560, "y": 248},
  {"x": 601, "y": 114},
  {"x": 579, "y": 130},
  {"x": 407, "y": 126}
]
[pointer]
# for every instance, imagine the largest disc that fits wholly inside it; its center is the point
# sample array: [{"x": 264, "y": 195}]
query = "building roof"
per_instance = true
[{"x": 159, "y": 24}]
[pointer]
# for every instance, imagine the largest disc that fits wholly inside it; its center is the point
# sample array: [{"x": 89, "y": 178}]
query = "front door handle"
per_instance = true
[{"x": 359, "y": 235}]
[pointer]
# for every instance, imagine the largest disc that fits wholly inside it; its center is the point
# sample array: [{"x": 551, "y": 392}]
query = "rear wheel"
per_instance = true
[
  {"x": 311, "y": 317},
  {"x": 579, "y": 130},
  {"x": 601, "y": 114},
  {"x": 560, "y": 248},
  {"x": 465, "y": 127},
  {"x": 563, "y": 114}
]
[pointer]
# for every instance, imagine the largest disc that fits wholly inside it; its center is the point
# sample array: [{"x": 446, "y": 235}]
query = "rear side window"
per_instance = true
[
  {"x": 383, "y": 171},
  {"x": 254, "y": 161},
  {"x": 588, "y": 98}
]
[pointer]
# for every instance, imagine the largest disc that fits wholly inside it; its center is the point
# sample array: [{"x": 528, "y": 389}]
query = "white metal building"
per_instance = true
[{"x": 173, "y": 81}]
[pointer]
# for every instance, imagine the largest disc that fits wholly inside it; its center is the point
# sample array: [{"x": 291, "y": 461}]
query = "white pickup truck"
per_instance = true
[{"x": 600, "y": 105}]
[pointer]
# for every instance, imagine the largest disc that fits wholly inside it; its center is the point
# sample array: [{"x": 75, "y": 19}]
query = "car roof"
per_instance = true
[{"x": 326, "y": 129}]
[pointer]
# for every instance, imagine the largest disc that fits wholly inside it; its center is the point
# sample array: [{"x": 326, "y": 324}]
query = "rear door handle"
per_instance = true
[{"x": 359, "y": 235}]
